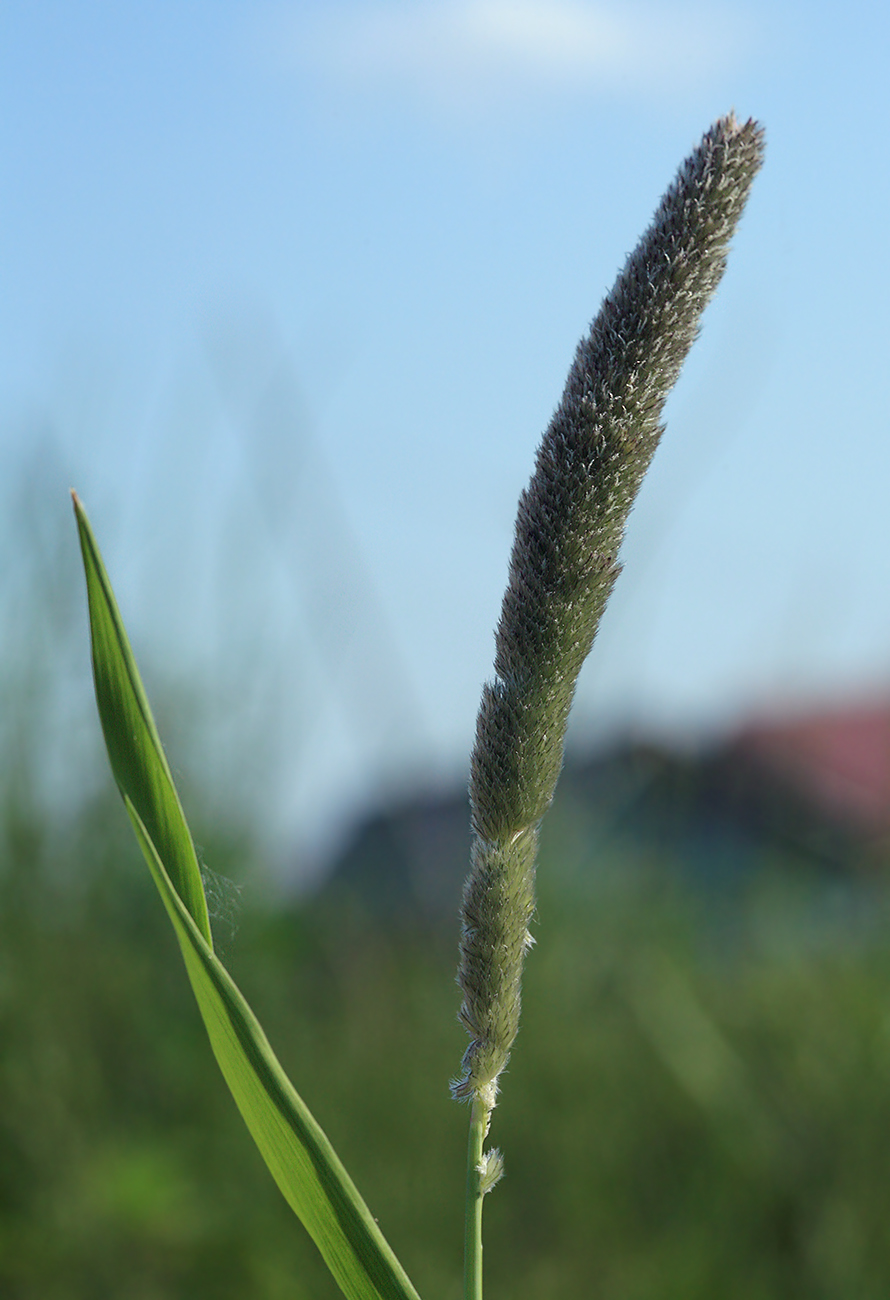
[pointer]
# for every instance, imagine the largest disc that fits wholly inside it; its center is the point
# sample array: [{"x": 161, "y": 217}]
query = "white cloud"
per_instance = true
[{"x": 464, "y": 50}]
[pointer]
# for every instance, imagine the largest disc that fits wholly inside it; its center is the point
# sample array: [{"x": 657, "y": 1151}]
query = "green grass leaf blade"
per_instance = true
[
  {"x": 299, "y": 1155},
  {"x": 296, "y": 1150},
  {"x": 134, "y": 747}
]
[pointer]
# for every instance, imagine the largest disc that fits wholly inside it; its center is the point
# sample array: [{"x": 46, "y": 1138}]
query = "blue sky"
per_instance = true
[{"x": 292, "y": 290}]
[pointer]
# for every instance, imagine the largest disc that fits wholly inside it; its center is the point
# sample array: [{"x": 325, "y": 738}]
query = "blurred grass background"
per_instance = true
[{"x": 698, "y": 1105}]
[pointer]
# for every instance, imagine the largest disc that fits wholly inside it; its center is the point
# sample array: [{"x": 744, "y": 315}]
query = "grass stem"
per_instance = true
[{"x": 479, "y": 1119}]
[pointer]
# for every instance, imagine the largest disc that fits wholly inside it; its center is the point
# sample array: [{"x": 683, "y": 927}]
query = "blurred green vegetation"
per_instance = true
[{"x": 698, "y": 1104}]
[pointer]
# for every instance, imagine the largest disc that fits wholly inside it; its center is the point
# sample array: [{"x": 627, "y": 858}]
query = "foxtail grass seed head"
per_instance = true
[{"x": 564, "y": 564}]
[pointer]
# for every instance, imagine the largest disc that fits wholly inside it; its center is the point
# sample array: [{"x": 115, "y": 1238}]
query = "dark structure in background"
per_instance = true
[{"x": 815, "y": 788}]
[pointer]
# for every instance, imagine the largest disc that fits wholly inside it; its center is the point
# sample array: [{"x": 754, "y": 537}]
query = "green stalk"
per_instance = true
[{"x": 479, "y": 1118}]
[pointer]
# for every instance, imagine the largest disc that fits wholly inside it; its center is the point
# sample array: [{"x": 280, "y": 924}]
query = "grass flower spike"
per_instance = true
[{"x": 564, "y": 564}]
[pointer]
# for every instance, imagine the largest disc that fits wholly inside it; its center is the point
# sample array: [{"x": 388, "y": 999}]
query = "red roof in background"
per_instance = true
[{"x": 839, "y": 760}]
